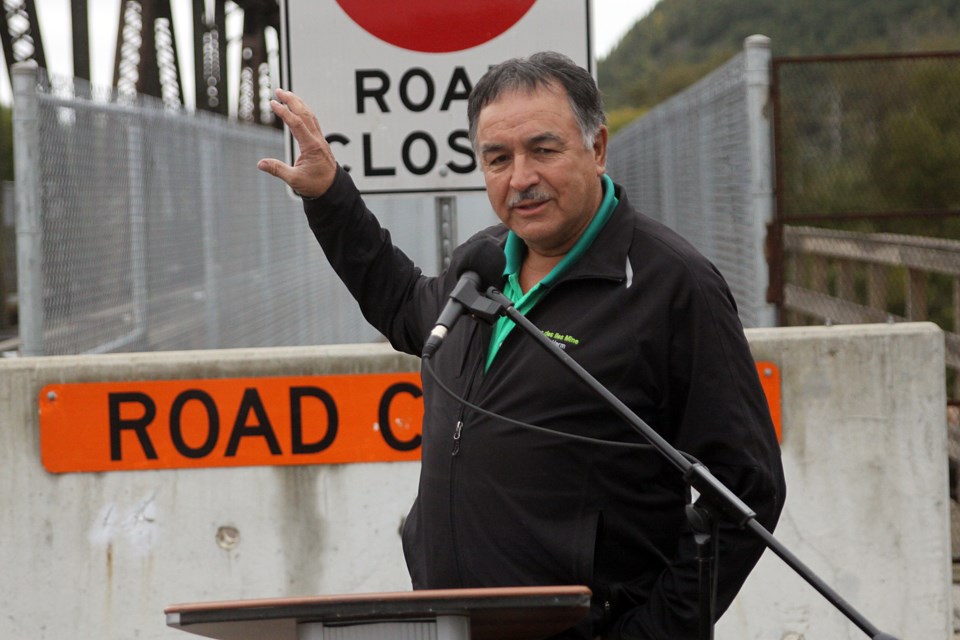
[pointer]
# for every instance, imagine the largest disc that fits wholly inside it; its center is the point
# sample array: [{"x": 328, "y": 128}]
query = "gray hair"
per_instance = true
[{"x": 538, "y": 71}]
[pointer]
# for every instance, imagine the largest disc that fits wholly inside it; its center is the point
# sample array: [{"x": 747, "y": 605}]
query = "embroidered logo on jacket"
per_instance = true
[{"x": 562, "y": 339}]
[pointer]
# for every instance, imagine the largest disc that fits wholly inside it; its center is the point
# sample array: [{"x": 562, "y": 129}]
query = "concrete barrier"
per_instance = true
[
  {"x": 99, "y": 555},
  {"x": 865, "y": 457}
]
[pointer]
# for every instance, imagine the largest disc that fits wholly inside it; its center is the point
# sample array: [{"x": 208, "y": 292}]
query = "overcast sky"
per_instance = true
[{"x": 613, "y": 18}]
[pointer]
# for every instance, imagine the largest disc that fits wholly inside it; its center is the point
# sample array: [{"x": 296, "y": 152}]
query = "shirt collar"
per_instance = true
[{"x": 515, "y": 249}]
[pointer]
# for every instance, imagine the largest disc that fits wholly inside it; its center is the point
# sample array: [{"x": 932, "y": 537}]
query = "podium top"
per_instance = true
[{"x": 507, "y": 613}]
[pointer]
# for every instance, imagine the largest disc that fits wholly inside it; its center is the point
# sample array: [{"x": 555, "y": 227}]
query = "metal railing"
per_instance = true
[{"x": 842, "y": 277}]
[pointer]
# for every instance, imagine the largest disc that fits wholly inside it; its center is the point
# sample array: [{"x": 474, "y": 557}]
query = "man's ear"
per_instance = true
[{"x": 600, "y": 149}]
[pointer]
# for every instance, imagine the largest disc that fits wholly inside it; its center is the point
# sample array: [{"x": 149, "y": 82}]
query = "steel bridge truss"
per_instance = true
[{"x": 146, "y": 60}]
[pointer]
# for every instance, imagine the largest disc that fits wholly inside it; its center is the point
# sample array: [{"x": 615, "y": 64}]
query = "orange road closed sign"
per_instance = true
[
  {"x": 232, "y": 422},
  {"x": 770, "y": 381},
  {"x": 116, "y": 426}
]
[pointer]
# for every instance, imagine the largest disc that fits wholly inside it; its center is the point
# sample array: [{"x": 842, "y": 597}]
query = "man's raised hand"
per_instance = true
[{"x": 314, "y": 169}]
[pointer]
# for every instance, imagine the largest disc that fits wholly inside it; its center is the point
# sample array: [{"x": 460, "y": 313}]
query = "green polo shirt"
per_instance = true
[{"x": 515, "y": 250}]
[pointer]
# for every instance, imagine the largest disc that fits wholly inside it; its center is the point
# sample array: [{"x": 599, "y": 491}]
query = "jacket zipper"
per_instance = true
[
  {"x": 458, "y": 429},
  {"x": 457, "y": 435}
]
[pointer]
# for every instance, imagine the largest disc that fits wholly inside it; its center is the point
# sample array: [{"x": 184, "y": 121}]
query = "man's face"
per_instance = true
[{"x": 541, "y": 180}]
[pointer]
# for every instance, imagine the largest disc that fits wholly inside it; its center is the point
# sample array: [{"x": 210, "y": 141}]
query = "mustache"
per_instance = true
[{"x": 528, "y": 195}]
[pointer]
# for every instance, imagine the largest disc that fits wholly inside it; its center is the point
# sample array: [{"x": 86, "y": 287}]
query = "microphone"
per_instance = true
[{"x": 481, "y": 266}]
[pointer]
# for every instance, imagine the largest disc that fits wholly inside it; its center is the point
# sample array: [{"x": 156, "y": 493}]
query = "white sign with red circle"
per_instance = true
[{"x": 389, "y": 81}]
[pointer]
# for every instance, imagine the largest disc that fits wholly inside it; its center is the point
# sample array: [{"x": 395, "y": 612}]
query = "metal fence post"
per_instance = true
[
  {"x": 757, "y": 68},
  {"x": 211, "y": 255},
  {"x": 446, "y": 215},
  {"x": 266, "y": 239},
  {"x": 26, "y": 135},
  {"x": 138, "y": 232}
]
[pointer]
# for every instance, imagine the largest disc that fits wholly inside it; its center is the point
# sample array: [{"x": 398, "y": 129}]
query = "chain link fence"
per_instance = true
[
  {"x": 142, "y": 228},
  {"x": 867, "y": 154},
  {"x": 700, "y": 163}
]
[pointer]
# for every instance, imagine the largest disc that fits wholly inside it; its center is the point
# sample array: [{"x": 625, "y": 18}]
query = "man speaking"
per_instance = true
[{"x": 580, "y": 500}]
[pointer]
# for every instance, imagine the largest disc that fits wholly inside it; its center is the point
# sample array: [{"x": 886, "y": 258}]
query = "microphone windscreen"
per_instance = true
[{"x": 486, "y": 259}]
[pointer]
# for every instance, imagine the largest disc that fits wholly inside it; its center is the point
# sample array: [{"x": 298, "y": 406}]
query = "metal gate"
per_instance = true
[{"x": 867, "y": 223}]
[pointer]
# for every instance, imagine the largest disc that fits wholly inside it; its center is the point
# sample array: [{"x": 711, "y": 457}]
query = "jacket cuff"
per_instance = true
[{"x": 341, "y": 192}]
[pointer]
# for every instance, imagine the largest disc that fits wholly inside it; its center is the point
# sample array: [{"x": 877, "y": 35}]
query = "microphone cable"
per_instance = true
[{"x": 428, "y": 366}]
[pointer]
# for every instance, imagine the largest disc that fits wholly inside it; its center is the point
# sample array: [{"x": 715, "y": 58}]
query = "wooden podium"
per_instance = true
[{"x": 515, "y": 613}]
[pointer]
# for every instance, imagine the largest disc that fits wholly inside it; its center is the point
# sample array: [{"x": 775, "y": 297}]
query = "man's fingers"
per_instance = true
[
  {"x": 291, "y": 119},
  {"x": 293, "y": 105},
  {"x": 276, "y": 168},
  {"x": 308, "y": 137},
  {"x": 268, "y": 166},
  {"x": 279, "y": 169},
  {"x": 289, "y": 98},
  {"x": 298, "y": 181},
  {"x": 315, "y": 167}
]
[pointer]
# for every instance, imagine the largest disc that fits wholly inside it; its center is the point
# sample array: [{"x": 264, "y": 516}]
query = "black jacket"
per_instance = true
[{"x": 502, "y": 505}]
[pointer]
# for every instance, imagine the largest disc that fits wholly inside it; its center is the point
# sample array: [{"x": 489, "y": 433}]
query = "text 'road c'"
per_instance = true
[{"x": 168, "y": 424}]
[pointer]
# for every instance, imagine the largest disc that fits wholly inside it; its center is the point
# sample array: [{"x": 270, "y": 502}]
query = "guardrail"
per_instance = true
[{"x": 847, "y": 277}]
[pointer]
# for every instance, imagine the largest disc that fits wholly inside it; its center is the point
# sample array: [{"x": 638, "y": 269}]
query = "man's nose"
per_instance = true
[{"x": 524, "y": 173}]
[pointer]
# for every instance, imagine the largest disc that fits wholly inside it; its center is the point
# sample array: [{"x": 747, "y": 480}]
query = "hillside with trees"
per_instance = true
[
  {"x": 866, "y": 146},
  {"x": 680, "y": 41}
]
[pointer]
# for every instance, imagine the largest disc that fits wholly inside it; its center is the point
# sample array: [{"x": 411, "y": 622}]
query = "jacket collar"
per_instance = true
[{"x": 607, "y": 258}]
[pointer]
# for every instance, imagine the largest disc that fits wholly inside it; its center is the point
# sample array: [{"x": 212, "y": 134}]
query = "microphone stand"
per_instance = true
[{"x": 716, "y": 500}]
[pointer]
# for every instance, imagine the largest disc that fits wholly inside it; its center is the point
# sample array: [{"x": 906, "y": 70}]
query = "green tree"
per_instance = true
[{"x": 917, "y": 155}]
